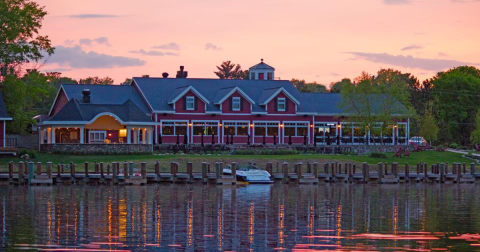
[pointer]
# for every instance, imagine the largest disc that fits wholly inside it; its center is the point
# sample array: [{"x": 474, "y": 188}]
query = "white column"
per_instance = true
[
  {"x": 144, "y": 135},
  {"x": 135, "y": 136},
  {"x": 129, "y": 135},
  {"x": 156, "y": 129},
  {"x": 82, "y": 129},
  {"x": 150, "y": 135},
  {"x": 53, "y": 135},
  {"x": 41, "y": 136},
  {"x": 49, "y": 135}
]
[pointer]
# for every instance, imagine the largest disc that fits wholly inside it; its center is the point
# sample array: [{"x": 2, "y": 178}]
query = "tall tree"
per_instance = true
[
  {"x": 428, "y": 128},
  {"x": 228, "y": 70},
  {"x": 96, "y": 80},
  {"x": 455, "y": 93},
  {"x": 475, "y": 136},
  {"x": 336, "y": 87},
  {"x": 20, "y": 22}
]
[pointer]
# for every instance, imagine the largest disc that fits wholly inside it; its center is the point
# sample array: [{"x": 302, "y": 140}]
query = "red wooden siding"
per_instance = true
[
  {"x": 226, "y": 104},
  {"x": 59, "y": 103},
  {"x": 179, "y": 105},
  {"x": 2, "y": 136},
  {"x": 290, "y": 107}
]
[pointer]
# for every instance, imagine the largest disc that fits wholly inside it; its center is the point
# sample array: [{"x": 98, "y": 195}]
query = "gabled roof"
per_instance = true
[
  {"x": 158, "y": 91},
  {"x": 75, "y": 111},
  {"x": 268, "y": 94},
  {"x": 181, "y": 91},
  {"x": 261, "y": 65},
  {"x": 107, "y": 95},
  {"x": 3, "y": 110},
  {"x": 224, "y": 93}
]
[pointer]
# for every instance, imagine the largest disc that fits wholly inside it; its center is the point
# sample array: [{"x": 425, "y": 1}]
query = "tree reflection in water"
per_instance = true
[{"x": 254, "y": 217}]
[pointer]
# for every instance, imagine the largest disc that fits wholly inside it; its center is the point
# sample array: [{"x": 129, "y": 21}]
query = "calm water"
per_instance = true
[{"x": 254, "y": 217}]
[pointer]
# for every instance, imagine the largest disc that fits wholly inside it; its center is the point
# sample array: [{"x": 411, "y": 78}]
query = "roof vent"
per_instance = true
[
  {"x": 165, "y": 75},
  {"x": 86, "y": 95},
  {"x": 145, "y": 76}
]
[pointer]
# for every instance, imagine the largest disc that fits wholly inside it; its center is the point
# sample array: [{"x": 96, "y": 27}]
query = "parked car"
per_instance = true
[{"x": 417, "y": 140}]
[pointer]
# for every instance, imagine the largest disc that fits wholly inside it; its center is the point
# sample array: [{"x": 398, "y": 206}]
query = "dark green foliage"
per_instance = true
[
  {"x": 265, "y": 152},
  {"x": 228, "y": 70},
  {"x": 378, "y": 155}
]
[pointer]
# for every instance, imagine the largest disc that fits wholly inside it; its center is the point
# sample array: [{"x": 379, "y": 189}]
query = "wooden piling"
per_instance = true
[
  {"x": 125, "y": 171},
  {"x": 86, "y": 170},
  {"x": 218, "y": 170},
  {"x": 472, "y": 169},
  {"x": 204, "y": 172},
  {"x": 395, "y": 169},
  {"x": 59, "y": 170},
  {"x": 30, "y": 172},
  {"x": 459, "y": 173},
  {"x": 72, "y": 171},
  {"x": 143, "y": 170},
  {"x": 446, "y": 168},
  {"x": 269, "y": 168},
  {"x": 49, "y": 170},
  {"x": 234, "y": 170},
  {"x": 380, "y": 172},
  {"x": 108, "y": 169},
  {"x": 425, "y": 174},
  {"x": 20, "y": 172},
  {"x": 190, "y": 171},
  {"x": 173, "y": 171},
  {"x": 10, "y": 169},
  {"x": 354, "y": 168},
  {"x": 464, "y": 167},
  {"x": 442, "y": 173},
  {"x": 365, "y": 172},
  {"x": 39, "y": 168},
  {"x": 157, "y": 168},
  {"x": 130, "y": 169},
  {"x": 97, "y": 168},
  {"x": 285, "y": 172},
  {"x": 114, "y": 172},
  {"x": 325, "y": 168},
  {"x": 101, "y": 170},
  {"x": 299, "y": 171},
  {"x": 315, "y": 170},
  {"x": 407, "y": 172},
  {"x": 385, "y": 169},
  {"x": 309, "y": 167}
]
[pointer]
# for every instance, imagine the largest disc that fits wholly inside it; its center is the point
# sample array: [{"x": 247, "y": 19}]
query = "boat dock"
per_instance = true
[{"x": 129, "y": 173}]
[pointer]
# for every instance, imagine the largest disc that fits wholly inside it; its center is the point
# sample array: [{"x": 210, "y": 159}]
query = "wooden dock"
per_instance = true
[{"x": 116, "y": 173}]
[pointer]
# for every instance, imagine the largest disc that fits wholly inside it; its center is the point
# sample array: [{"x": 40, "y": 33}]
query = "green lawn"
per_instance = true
[{"x": 430, "y": 157}]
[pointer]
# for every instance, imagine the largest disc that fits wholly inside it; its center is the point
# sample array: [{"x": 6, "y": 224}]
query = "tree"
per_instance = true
[
  {"x": 96, "y": 80},
  {"x": 127, "y": 81},
  {"x": 455, "y": 94},
  {"x": 429, "y": 129},
  {"x": 298, "y": 83},
  {"x": 475, "y": 136},
  {"x": 377, "y": 102},
  {"x": 336, "y": 87},
  {"x": 304, "y": 87},
  {"x": 228, "y": 70},
  {"x": 20, "y": 22}
]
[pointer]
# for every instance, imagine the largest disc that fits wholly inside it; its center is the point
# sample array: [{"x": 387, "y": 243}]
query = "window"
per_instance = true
[
  {"x": 296, "y": 129},
  {"x": 269, "y": 129},
  {"x": 269, "y": 76},
  {"x": 236, "y": 103},
  {"x": 190, "y": 103},
  {"x": 252, "y": 76},
  {"x": 261, "y": 76},
  {"x": 205, "y": 128},
  {"x": 172, "y": 128},
  {"x": 97, "y": 136},
  {"x": 235, "y": 128},
  {"x": 281, "y": 104}
]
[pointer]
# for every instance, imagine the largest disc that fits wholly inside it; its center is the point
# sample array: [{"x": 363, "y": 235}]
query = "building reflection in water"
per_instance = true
[{"x": 205, "y": 217}]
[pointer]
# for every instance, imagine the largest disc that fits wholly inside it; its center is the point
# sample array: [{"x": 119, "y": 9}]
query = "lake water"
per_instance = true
[{"x": 278, "y": 217}]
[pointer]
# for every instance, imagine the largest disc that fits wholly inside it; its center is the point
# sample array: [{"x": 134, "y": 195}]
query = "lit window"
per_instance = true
[
  {"x": 236, "y": 103},
  {"x": 190, "y": 103},
  {"x": 281, "y": 104}
]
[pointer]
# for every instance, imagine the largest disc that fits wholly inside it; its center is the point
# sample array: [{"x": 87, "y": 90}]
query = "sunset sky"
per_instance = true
[{"x": 315, "y": 40}]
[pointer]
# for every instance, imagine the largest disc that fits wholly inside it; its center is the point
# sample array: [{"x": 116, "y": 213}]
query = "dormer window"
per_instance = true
[
  {"x": 281, "y": 104},
  {"x": 269, "y": 76},
  {"x": 190, "y": 103},
  {"x": 236, "y": 103}
]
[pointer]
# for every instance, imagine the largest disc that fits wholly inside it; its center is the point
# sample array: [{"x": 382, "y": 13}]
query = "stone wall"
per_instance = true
[{"x": 97, "y": 149}]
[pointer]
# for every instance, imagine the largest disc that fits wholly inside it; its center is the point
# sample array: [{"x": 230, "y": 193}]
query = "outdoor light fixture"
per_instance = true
[
  {"x": 109, "y": 134},
  {"x": 311, "y": 125},
  {"x": 281, "y": 125},
  {"x": 251, "y": 125},
  {"x": 190, "y": 124},
  {"x": 220, "y": 125}
]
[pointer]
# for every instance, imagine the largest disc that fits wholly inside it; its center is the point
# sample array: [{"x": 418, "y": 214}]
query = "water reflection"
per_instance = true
[{"x": 256, "y": 217}]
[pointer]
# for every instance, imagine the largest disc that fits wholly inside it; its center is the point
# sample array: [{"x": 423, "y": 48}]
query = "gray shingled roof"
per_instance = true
[
  {"x": 158, "y": 91},
  {"x": 261, "y": 65},
  {"x": 107, "y": 94},
  {"x": 75, "y": 110},
  {"x": 3, "y": 108}
]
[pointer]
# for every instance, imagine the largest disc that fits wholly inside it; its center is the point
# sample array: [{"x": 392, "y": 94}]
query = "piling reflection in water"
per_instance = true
[{"x": 254, "y": 217}]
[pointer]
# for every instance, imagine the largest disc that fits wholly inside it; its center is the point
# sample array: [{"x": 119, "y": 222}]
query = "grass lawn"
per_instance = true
[{"x": 430, "y": 157}]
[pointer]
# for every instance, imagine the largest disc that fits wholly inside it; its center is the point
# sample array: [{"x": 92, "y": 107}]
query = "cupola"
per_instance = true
[{"x": 262, "y": 71}]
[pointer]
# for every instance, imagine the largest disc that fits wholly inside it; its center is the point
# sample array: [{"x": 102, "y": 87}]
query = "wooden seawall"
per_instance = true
[{"x": 129, "y": 173}]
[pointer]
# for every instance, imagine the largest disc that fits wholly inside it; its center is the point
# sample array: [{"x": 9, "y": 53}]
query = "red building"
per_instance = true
[{"x": 186, "y": 110}]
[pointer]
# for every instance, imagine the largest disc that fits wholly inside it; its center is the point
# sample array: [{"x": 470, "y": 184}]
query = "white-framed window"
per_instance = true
[
  {"x": 173, "y": 128},
  {"x": 205, "y": 127},
  {"x": 235, "y": 128},
  {"x": 236, "y": 103},
  {"x": 190, "y": 103},
  {"x": 97, "y": 136},
  {"x": 281, "y": 104},
  {"x": 295, "y": 129},
  {"x": 266, "y": 128}
]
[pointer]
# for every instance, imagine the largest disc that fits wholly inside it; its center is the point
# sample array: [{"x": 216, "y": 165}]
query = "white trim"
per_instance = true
[
  {"x": 233, "y": 91},
  {"x": 278, "y": 92},
  {"x": 204, "y": 121},
  {"x": 236, "y": 101},
  {"x": 56, "y": 97},
  {"x": 175, "y": 121},
  {"x": 6, "y": 118},
  {"x": 266, "y": 131},
  {"x": 236, "y": 126},
  {"x": 192, "y": 101},
  {"x": 95, "y": 118},
  {"x": 284, "y": 104},
  {"x": 190, "y": 88}
]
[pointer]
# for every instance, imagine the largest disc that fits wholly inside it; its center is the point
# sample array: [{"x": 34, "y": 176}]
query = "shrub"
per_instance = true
[
  {"x": 378, "y": 155},
  {"x": 453, "y": 145},
  {"x": 31, "y": 153}
]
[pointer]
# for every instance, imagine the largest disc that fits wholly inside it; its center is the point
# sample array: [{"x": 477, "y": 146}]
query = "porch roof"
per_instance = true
[{"x": 77, "y": 112}]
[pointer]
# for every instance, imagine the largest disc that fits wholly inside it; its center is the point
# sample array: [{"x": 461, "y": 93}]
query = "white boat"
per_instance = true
[{"x": 250, "y": 174}]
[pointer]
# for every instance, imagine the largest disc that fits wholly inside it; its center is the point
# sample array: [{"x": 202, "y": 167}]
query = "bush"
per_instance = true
[
  {"x": 464, "y": 148},
  {"x": 31, "y": 153},
  {"x": 440, "y": 146},
  {"x": 378, "y": 155},
  {"x": 453, "y": 146},
  {"x": 265, "y": 152}
]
